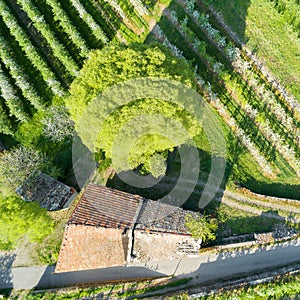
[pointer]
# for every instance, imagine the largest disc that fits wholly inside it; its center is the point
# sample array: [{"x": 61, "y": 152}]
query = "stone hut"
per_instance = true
[
  {"x": 49, "y": 192},
  {"x": 112, "y": 228}
]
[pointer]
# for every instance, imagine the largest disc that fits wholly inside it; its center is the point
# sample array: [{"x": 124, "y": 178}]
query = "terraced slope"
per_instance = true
[
  {"x": 44, "y": 44},
  {"x": 265, "y": 121},
  {"x": 271, "y": 30}
]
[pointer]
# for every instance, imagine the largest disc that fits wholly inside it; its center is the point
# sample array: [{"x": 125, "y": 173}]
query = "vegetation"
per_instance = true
[
  {"x": 100, "y": 72},
  {"x": 236, "y": 91},
  {"x": 267, "y": 27},
  {"x": 233, "y": 221},
  {"x": 287, "y": 287},
  {"x": 119, "y": 290},
  {"x": 201, "y": 227},
  {"x": 19, "y": 219},
  {"x": 56, "y": 56},
  {"x": 18, "y": 163}
]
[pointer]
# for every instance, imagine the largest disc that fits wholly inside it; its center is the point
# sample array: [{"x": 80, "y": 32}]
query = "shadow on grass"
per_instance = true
[
  {"x": 233, "y": 13},
  {"x": 276, "y": 189},
  {"x": 167, "y": 184}
]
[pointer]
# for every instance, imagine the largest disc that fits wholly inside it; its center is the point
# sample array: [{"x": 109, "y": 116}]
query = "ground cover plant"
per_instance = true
[
  {"x": 287, "y": 287},
  {"x": 18, "y": 218},
  {"x": 234, "y": 100},
  {"x": 48, "y": 47},
  {"x": 120, "y": 290},
  {"x": 267, "y": 27}
]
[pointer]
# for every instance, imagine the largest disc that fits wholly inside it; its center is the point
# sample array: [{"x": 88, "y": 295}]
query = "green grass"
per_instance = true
[
  {"x": 19, "y": 219},
  {"x": 134, "y": 292},
  {"x": 237, "y": 222},
  {"x": 266, "y": 32},
  {"x": 288, "y": 287},
  {"x": 245, "y": 169},
  {"x": 122, "y": 291}
]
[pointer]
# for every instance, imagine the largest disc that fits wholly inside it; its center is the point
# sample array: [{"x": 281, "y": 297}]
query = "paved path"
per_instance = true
[{"x": 205, "y": 267}]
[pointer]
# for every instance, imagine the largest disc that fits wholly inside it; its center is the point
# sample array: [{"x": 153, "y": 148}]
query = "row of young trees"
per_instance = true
[
  {"x": 217, "y": 104},
  {"x": 43, "y": 27},
  {"x": 89, "y": 20},
  {"x": 30, "y": 50},
  {"x": 257, "y": 64},
  {"x": 30, "y": 33},
  {"x": 241, "y": 133},
  {"x": 280, "y": 141},
  {"x": 14, "y": 103},
  {"x": 17, "y": 73},
  {"x": 238, "y": 59},
  {"x": 67, "y": 25}
]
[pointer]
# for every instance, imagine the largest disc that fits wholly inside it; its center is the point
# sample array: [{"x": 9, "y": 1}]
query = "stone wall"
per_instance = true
[{"x": 150, "y": 246}]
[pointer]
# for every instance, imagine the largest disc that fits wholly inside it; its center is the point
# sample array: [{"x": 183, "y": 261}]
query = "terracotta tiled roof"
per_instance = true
[
  {"x": 105, "y": 207},
  {"x": 88, "y": 247},
  {"x": 95, "y": 235}
]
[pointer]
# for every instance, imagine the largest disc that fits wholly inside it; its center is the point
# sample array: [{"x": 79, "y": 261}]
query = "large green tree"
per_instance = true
[{"x": 136, "y": 121}]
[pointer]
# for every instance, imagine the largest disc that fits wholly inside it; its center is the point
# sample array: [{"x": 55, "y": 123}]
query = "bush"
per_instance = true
[
  {"x": 201, "y": 227},
  {"x": 19, "y": 218},
  {"x": 18, "y": 163}
]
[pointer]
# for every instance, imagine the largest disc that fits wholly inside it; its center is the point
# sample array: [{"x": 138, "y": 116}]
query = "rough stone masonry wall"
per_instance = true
[{"x": 163, "y": 246}]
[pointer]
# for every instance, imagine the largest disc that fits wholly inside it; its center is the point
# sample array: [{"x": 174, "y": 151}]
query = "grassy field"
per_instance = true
[
  {"x": 287, "y": 287},
  {"x": 266, "y": 32},
  {"x": 23, "y": 223},
  {"x": 261, "y": 134},
  {"x": 237, "y": 222},
  {"x": 120, "y": 291}
]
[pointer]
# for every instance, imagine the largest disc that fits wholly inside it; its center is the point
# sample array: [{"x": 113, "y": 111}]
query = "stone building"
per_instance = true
[
  {"x": 111, "y": 228},
  {"x": 50, "y": 193}
]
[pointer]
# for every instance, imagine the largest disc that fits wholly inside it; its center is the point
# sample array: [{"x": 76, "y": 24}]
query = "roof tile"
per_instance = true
[{"x": 105, "y": 207}]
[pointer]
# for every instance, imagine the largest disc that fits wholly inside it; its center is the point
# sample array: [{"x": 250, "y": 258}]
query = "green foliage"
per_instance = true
[
  {"x": 133, "y": 292},
  {"x": 287, "y": 287},
  {"x": 233, "y": 221},
  {"x": 291, "y": 11},
  {"x": 29, "y": 49},
  {"x": 120, "y": 129},
  {"x": 49, "y": 134},
  {"x": 124, "y": 290},
  {"x": 6, "y": 125},
  {"x": 267, "y": 32},
  {"x": 57, "y": 124},
  {"x": 201, "y": 227},
  {"x": 19, "y": 218},
  {"x": 13, "y": 102},
  {"x": 48, "y": 249},
  {"x": 61, "y": 16},
  {"x": 157, "y": 165},
  {"x": 58, "y": 49},
  {"x": 115, "y": 64},
  {"x": 18, "y": 163},
  {"x": 17, "y": 73}
]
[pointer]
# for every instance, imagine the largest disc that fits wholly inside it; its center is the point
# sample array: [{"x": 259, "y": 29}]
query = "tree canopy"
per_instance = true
[
  {"x": 201, "y": 227},
  {"x": 18, "y": 163},
  {"x": 137, "y": 121}
]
